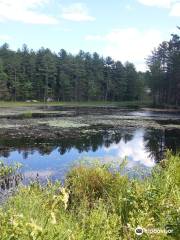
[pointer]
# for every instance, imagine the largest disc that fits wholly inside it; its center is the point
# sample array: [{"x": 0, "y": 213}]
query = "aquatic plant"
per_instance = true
[
  {"x": 26, "y": 115},
  {"x": 64, "y": 123},
  {"x": 9, "y": 175}
]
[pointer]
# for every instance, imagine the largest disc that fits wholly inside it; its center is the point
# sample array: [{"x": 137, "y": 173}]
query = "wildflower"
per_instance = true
[
  {"x": 53, "y": 220},
  {"x": 64, "y": 197},
  {"x": 14, "y": 222},
  {"x": 19, "y": 215},
  {"x": 34, "y": 226}
]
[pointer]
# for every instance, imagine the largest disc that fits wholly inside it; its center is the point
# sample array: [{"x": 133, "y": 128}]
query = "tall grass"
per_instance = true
[{"x": 97, "y": 204}]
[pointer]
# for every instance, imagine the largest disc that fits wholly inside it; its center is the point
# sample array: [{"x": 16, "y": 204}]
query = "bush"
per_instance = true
[{"x": 97, "y": 203}]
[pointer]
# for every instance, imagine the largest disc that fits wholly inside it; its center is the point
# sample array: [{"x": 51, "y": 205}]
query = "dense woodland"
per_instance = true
[
  {"x": 41, "y": 75},
  {"x": 26, "y": 74},
  {"x": 164, "y": 75}
]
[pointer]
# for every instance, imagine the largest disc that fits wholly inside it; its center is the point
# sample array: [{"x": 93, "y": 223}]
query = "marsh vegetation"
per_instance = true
[{"x": 97, "y": 202}]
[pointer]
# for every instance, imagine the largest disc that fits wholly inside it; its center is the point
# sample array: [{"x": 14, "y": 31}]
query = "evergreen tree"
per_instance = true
[
  {"x": 43, "y": 75},
  {"x": 164, "y": 66},
  {"x": 4, "y": 92}
]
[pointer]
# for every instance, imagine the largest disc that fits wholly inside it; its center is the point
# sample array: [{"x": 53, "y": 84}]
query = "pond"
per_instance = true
[{"x": 141, "y": 147}]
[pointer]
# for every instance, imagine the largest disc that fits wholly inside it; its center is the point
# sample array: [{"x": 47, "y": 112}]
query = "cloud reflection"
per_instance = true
[{"x": 134, "y": 150}]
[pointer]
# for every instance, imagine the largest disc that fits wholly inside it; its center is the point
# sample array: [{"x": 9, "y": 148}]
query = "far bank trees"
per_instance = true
[{"x": 27, "y": 74}]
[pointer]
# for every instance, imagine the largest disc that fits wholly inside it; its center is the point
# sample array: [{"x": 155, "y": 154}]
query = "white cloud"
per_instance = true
[
  {"x": 157, "y": 3},
  {"x": 76, "y": 12},
  {"x": 4, "y": 37},
  {"x": 175, "y": 10},
  {"x": 172, "y": 5},
  {"x": 130, "y": 44},
  {"x": 25, "y": 11}
]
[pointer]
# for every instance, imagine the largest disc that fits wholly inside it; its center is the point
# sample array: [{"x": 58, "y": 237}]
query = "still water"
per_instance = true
[{"x": 142, "y": 148}]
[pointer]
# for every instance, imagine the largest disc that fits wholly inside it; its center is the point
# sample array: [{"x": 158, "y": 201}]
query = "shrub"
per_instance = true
[{"x": 96, "y": 203}]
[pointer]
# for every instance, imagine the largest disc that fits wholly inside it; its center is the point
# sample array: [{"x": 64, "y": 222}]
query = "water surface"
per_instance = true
[{"x": 142, "y": 148}]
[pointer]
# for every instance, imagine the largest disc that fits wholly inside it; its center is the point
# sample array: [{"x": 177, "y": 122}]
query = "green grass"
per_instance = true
[
  {"x": 96, "y": 204},
  {"x": 81, "y": 104},
  {"x": 6, "y": 170}
]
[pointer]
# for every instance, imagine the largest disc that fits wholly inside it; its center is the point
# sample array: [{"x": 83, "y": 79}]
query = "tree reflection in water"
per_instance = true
[{"x": 156, "y": 141}]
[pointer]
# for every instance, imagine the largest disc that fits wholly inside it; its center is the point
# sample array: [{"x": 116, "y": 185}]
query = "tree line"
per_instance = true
[
  {"x": 164, "y": 72},
  {"x": 42, "y": 75}
]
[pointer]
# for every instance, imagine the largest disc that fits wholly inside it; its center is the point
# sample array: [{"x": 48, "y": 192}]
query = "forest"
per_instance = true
[
  {"x": 40, "y": 75},
  {"x": 43, "y": 75},
  {"x": 164, "y": 72}
]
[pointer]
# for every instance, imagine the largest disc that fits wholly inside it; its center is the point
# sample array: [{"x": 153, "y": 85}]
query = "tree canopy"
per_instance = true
[
  {"x": 27, "y": 74},
  {"x": 42, "y": 74},
  {"x": 164, "y": 74}
]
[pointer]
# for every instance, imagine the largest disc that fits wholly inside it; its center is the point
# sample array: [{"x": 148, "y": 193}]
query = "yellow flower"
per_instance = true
[
  {"x": 34, "y": 226},
  {"x": 53, "y": 220},
  {"x": 64, "y": 197}
]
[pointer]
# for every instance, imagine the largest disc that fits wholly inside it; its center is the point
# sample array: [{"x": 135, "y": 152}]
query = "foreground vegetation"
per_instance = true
[{"x": 97, "y": 202}]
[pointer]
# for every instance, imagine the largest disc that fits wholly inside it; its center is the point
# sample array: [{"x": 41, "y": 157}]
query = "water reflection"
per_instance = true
[
  {"x": 135, "y": 149},
  {"x": 157, "y": 141},
  {"x": 142, "y": 147}
]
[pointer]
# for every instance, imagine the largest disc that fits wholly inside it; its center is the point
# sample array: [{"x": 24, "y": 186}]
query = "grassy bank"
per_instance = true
[
  {"x": 97, "y": 204},
  {"x": 81, "y": 104}
]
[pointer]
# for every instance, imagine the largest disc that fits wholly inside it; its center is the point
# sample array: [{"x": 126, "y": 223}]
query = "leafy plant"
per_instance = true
[{"x": 97, "y": 203}]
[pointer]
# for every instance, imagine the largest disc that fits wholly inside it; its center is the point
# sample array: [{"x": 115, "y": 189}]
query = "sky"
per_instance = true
[{"x": 126, "y": 30}]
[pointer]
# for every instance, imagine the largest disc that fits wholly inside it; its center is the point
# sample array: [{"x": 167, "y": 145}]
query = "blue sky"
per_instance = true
[{"x": 122, "y": 29}]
